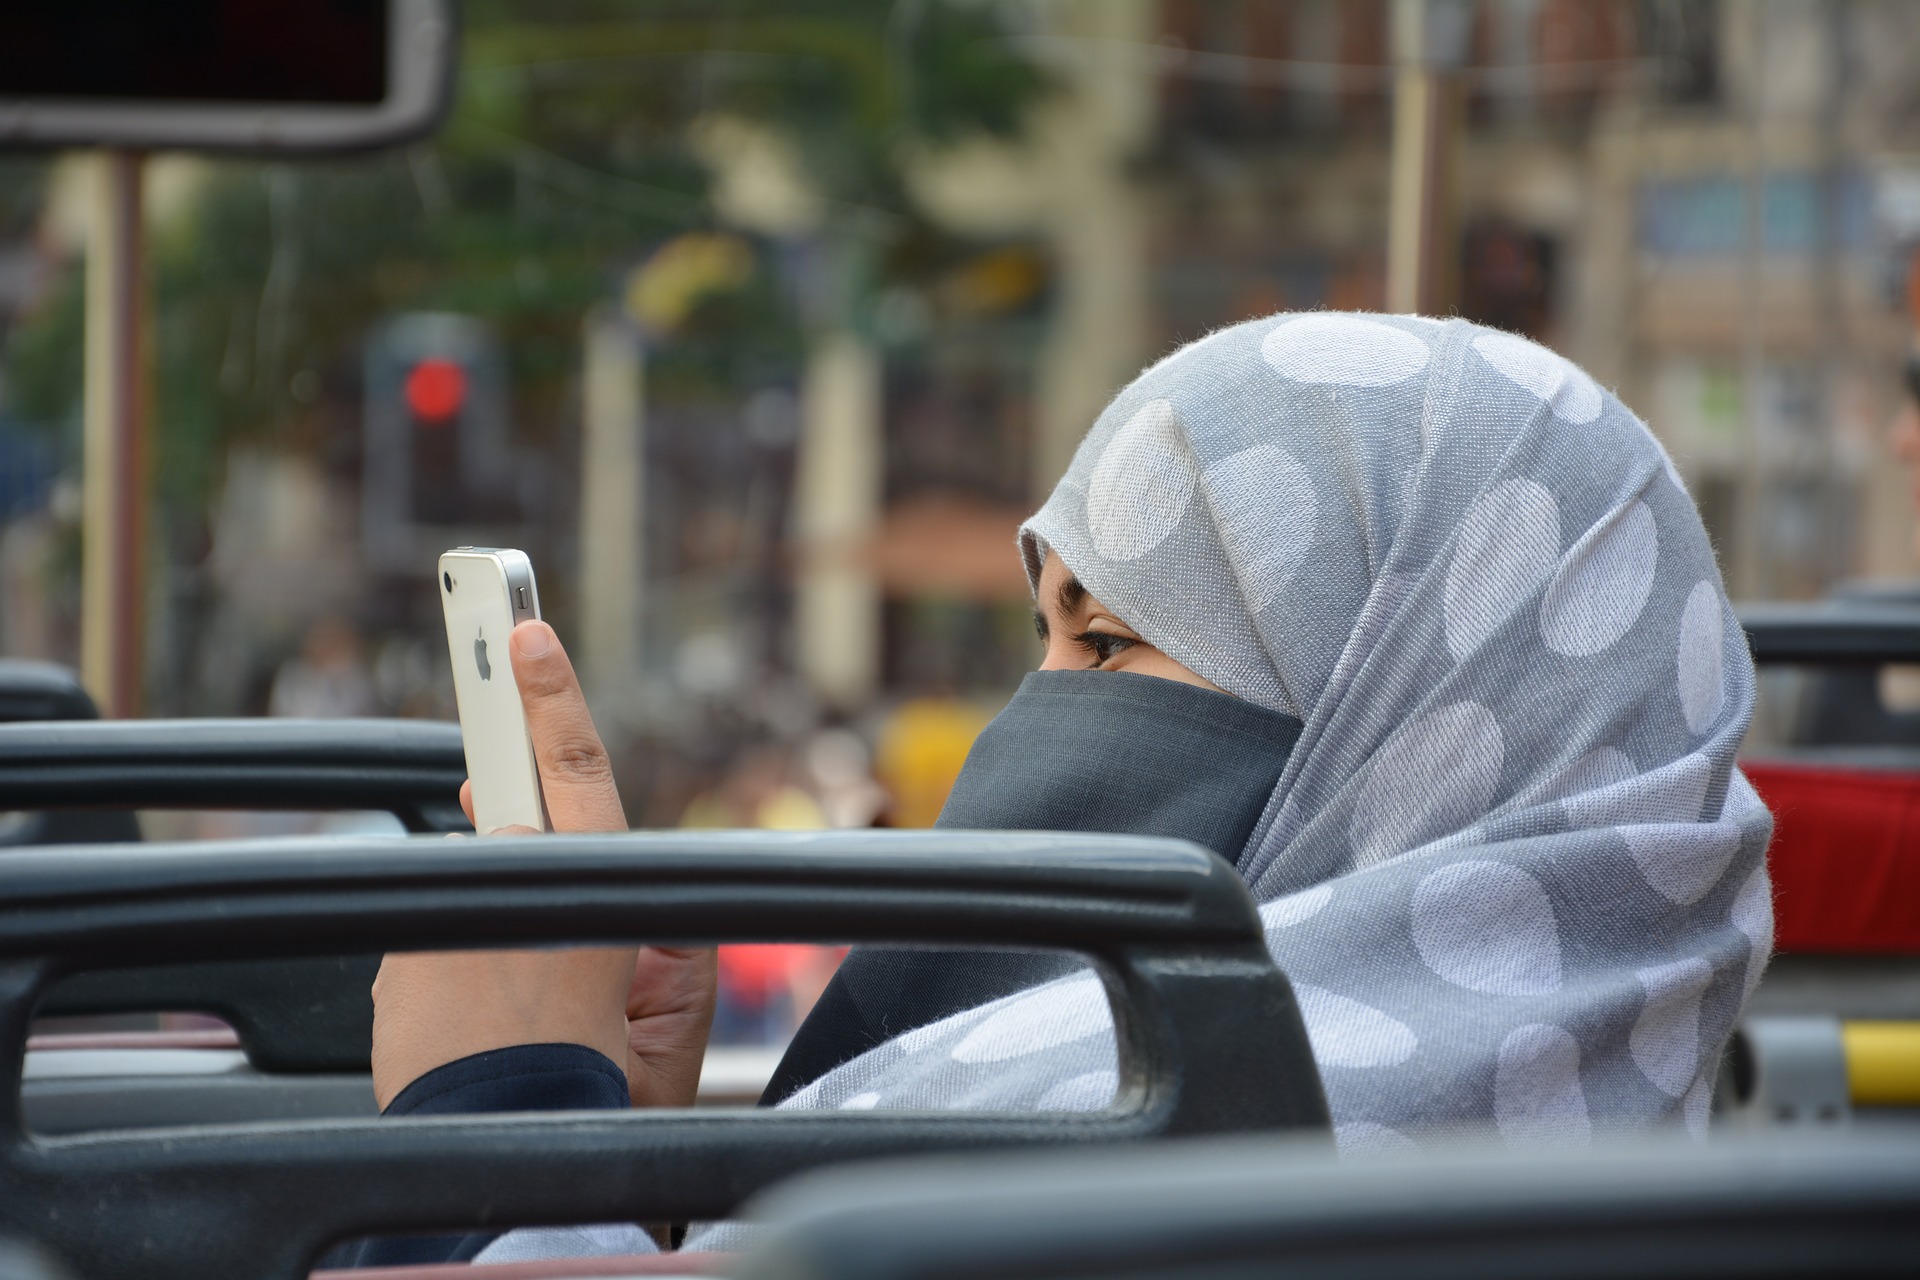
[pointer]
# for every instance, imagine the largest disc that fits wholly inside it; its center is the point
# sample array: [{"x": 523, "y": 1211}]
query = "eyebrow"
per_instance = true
[
  {"x": 1067, "y": 598},
  {"x": 1070, "y": 596}
]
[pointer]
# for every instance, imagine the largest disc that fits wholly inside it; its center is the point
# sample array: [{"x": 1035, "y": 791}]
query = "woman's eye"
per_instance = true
[{"x": 1104, "y": 645}]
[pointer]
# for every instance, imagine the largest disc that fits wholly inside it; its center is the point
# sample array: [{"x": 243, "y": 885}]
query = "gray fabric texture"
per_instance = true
[
  {"x": 1073, "y": 751},
  {"x": 1108, "y": 751},
  {"x": 1510, "y": 866}
]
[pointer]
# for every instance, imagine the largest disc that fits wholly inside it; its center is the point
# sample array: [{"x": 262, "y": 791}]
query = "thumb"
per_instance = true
[{"x": 576, "y": 776}]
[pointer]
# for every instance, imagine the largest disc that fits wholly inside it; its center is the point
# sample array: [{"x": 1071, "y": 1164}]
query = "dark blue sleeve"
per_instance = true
[{"x": 525, "y": 1077}]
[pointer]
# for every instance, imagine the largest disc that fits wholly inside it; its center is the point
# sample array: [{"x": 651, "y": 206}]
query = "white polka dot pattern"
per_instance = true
[
  {"x": 1602, "y": 585},
  {"x": 1056, "y": 1014},
  {"x": 1346, "y": 1033},
  {"x": 1091, "y": 1091},
  {"x": 808, "y": 1096},
  {"x": 1598, "y": 768},
  {"x": 1696, "y": 1109},
  {"x": 1266, "y": 549},
  {"x": 1432, "y": 777},
  {"x": 1343, "y": 351},
  {"x": 1505, "y": 549},
  {"x": 1675, "y": 792},
  {"x": 1296, "y": 908},
  {"x": 1703, "y": 686},
  {"x": 920, "y": 1038},
  {"x": 1488, "y": 927},
  {"x": 1742, "y": 799},
  {"x": 1537, "y": 1098},
  {"x": 1365, "y": 1138},
  {"x": 1665, "y": 1040},
  {"x": 1140, "y": 487},
  {"x": 1682, "y": 861},
  {"x": 1569, "y": 392},
  {"x": 533, "y": 1244},
  {"x": 1752, "y": 915}
]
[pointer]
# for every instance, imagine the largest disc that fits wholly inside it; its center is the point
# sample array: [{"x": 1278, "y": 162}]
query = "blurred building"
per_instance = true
[
  {"x": 1705, "y": 202},
  {"x": 770, "y": 430}
]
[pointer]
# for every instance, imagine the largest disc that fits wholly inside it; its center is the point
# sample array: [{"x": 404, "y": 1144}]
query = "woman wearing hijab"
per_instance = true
[{"x": 1411, "y": 622}]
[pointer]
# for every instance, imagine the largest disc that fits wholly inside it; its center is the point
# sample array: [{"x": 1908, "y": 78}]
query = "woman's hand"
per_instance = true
[{"x": 647, "y": 1009}]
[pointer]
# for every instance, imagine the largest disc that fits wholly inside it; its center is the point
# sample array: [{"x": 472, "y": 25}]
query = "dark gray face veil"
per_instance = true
[
  {"x": 1108, "y": 751},
  {"x": 1073, "y": 751}
]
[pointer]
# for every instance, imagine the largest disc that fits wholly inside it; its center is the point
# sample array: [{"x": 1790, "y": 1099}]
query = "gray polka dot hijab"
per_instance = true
[{"x": 1510, "y": 866}]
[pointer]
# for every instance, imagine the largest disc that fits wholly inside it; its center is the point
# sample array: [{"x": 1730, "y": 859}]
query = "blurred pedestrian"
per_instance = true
[{"x": 328, "y": 679}]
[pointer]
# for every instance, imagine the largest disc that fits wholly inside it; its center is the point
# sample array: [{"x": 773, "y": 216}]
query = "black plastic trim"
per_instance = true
[
  {"x": 1211, "y": 1040},
  {"x": 1831, "y": 633},
  {"x": 409, "y": 768}
]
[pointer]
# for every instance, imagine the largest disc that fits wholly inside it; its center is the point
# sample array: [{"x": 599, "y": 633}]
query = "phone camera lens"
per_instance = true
[{"x": 447, "y": 578}]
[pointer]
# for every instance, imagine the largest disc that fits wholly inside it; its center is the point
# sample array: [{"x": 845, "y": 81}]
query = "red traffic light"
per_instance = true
[{"x": 435, "y": 390}]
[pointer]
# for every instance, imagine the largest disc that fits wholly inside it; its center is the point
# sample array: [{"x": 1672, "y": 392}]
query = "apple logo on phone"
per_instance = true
[{"x": 480, "y": 656}]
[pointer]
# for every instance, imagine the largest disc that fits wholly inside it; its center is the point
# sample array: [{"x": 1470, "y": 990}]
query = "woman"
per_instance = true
[{"x": 1408, "y": 619}]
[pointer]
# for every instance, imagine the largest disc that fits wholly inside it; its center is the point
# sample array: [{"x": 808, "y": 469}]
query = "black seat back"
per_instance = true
[
  {"x": 411, "y": 769},
  {"x": 1210, "y": 1038},
  {"x": 306, "y": 1014},
  {"x": 1219, "y": 1209},
  {"x": 46, "y": 691}
]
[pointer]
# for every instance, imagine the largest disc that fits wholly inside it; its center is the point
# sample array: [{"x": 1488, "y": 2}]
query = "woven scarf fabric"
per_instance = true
[{"x": 1511, "y": 867}]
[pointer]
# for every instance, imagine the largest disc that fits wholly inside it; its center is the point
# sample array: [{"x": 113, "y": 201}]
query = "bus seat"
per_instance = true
[{"x": 1845, "y": 857}]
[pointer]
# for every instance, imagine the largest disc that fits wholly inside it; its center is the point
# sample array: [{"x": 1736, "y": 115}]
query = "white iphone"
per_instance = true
[{"x": 484, "y": 592}]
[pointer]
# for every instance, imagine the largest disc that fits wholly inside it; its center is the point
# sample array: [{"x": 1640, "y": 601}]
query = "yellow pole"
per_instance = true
[
  {"x": 113, "y": 489},
  {"x": 1883, "y": 1063}
]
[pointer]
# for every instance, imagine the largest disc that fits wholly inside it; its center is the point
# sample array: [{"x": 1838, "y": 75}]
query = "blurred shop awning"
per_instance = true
[{"x": 949, "y": 545}]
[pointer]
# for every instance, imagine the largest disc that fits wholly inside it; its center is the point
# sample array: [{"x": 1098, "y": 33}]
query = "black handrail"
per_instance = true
[
  {"x": 1210, "y": 1038},
  {"x": 306, "y": 1014},
  {"x": 1822, "y": 1205},
  {"x": 409, "y": 768},
  {"x": 1831, "y": 632},
  {"x": 32, "y": 690}
]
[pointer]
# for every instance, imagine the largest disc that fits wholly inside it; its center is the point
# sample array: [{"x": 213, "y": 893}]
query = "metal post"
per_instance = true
[
  {"x": 114, "y": 485},
  {"x": 1097, "y": 221},
  {"x": 1750, "y": 559},
  {"x": 612, "y": 504},
  {"x": 837, "y": 496},
  {"x": 1429, "y": 45}
]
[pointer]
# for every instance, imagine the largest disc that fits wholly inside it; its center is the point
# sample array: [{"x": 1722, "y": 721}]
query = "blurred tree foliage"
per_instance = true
[{"x": 565, "y": 160}]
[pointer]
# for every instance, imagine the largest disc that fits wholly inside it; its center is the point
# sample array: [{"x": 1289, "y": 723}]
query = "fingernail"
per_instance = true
[{"x": 533, "y": 639}]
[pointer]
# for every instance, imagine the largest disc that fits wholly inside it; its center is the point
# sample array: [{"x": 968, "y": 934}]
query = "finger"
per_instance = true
[
  {"x": 575, "y": 774},
  {"x": 466, "y": 803}
]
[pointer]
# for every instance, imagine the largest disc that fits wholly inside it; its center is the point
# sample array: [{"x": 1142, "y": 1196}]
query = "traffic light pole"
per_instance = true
[{"x": 114, "y": 463}]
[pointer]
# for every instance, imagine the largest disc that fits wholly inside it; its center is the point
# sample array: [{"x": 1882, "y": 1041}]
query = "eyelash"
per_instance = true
[{"x": 1103, "y": 646}]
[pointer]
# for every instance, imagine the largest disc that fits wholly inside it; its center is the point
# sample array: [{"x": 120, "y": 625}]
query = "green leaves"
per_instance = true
[{"x": 565, "y": 162}]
